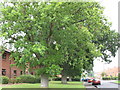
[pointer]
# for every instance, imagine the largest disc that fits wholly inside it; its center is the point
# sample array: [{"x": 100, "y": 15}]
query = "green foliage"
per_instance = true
[
  {"x": 58, "y": 36},
  {"x": 57, "y": 79},
  {"x": 75, "y": 79},
  {"x": 5, "y": 80},
  {"x": 13, "y": 80},
  {"x": 109, "y": 40},
  {"x": 110, "y": 78},
  {"x": 37, "y": 79},
  {"x": 103, "y": 74},
  {"x": 118, "y": 76},
  {"x": 29, "y": 79},
  {"x": 18, "y": 80}
]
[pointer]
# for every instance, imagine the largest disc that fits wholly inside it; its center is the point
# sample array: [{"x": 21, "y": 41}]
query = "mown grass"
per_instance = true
[
  {"x": 52, "y": 84},
  {"x": 117, "y": 82},
  {"x": 0, "y": 87}
]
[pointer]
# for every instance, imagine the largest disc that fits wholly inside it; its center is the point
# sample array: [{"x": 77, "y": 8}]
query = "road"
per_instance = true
[
  {"x": 105, "y": 85},
  {"x": 108, "y": 84}
]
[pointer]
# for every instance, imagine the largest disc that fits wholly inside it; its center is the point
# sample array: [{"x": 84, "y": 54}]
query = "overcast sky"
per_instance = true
[{"x": 111, "y": 12}]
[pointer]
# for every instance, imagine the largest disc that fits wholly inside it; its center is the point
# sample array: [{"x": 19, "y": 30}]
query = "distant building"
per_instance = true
[{"x": 112, "y": 72}]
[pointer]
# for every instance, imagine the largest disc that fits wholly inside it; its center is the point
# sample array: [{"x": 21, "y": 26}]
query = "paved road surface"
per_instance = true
[
  {"x": 108, "y": 84},
  {"x": 105, "y": 85}
]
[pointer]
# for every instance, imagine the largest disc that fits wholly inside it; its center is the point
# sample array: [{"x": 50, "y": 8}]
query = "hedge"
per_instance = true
[
  {"x": 119, "y": 76},
  {"x": 110, "y": 78},
  {"x": 73, "y": 79},
  {"x": 28, "y": 79},
  {"x": 5, "y": 80},
  {"x": 76, "y": 79}
]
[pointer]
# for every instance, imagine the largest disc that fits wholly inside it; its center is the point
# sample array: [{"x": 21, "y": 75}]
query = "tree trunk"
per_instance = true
[
  {"x": 44, "y": 81},
  {"x": 70, "y": 79},
  {"x": 64, "y": 79}
]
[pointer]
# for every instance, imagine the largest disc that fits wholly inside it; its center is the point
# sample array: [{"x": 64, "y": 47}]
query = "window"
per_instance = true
[
  {"x": 4, "y": 56},
  {"x": 3, "y": 72},
  {"x": 15, "y": 72},
  {"x": 21, "y": 72}
]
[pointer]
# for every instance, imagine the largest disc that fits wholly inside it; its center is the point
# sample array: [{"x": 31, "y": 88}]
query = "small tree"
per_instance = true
[
  {"x": 103, "y": 74},
  {"x": 118, "y": 76}
]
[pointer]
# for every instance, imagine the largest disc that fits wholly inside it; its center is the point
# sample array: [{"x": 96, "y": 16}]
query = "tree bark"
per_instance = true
[
  {"x": 44, "y": 81},
  {"x": 64, "y": 79},
  {"x": 70, "y": 79}
]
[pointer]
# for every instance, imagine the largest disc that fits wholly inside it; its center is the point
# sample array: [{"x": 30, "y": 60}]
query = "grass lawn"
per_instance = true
[
  {"x": 117, "y": 82},
  {"x": 0, "y": 87},
  {"x": 52, "y": 84}
]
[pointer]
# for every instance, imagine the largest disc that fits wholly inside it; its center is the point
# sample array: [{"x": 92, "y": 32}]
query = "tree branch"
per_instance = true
[
  {"x": 50, "y": 34},
  {"x": 72, "y": 23}
]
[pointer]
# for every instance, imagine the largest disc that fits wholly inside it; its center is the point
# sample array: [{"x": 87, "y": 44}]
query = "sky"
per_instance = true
[{"x": 111, "y": 12}]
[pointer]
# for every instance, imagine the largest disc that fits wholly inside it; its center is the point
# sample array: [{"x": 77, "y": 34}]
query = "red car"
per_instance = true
[
  {"x": 96, "y": 82},
  {"x": 90, "y": 80}
]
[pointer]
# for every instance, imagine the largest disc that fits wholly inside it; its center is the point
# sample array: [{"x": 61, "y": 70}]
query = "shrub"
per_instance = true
[
  {"x": 110, "y": 78},
  {"x": 5, "y": 80},
  {"x": 37, "y": 79},
  {"x": 57, "y": 79},
  {"x": 76, "y": 79},
  {"x": 18, "y": 80},
  {"x": 12, "y": 80},
  {"x": 119, "y": 76},
  {"x": 28, "y": 79}
]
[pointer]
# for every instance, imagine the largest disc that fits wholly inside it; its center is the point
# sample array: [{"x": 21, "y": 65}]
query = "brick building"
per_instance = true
[
  {"x": 112, "y": 72},
  {"x": 6, "y": 69}
]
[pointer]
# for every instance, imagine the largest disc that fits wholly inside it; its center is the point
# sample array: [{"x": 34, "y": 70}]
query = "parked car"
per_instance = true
[
  {"x": 85, "y": 80},
  {"x": 90, "y": 80},
  {"x": 96, "y": 82}
]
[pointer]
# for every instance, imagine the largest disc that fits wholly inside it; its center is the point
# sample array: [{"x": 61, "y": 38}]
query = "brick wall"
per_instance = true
[{"x": 10, "y": 71}]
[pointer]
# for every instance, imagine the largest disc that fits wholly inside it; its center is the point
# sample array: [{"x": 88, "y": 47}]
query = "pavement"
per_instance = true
[
  {"x": 105, "y": 85},
  {"x": 88, "y": 85}
]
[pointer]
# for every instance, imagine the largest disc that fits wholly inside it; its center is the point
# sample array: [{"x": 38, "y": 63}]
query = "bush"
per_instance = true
[
  {"x": 12, "y": 80},
  {"x": 118, "y": 76},
  {"x": 5, "y": 80},
  {"x": 57, "y": 79},
  {"x": 37, "y": 79},
  {"x": 73, "y": 79},
  {"x": 18, "y": 80},
  {"x": 110, "y": 78},
  {"x": 115, "y": 78},
  {"x": 28, "y": 79},
  {"x": 76, "y": 79}
]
